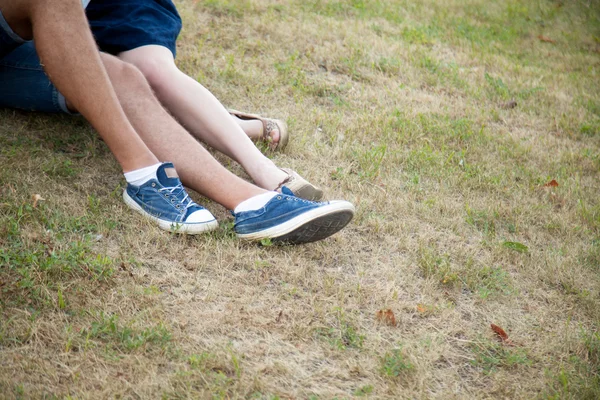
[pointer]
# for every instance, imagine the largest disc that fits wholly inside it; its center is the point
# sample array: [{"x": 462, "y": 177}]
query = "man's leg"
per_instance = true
[
  {"x": 202, "y": 114},
  {"x": 258, "y": 214},
  {"x": 170, "y": 141},
  {"x": 71, "y": 60},
  {"x": 261, "y": 214}
]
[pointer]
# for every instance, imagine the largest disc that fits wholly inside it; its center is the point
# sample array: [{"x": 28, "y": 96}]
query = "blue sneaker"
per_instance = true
[
  {"x": 165, "y": 201},
  {"x": 290, "y": 219}
]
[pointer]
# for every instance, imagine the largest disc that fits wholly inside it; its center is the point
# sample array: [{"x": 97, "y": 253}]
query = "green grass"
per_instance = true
[
  {"x": 109, "y": 330},
  {"x": 343, "y": 334},
  {"x": 394, "y": 364},
  {"x": 43, "y": 251},
  {"x": 490, "y": 357},
  {"x": 579, "y": 375}
]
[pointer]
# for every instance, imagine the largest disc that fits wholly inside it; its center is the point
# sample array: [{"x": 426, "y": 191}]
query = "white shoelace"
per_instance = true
[{"x": 172, "y": 190}]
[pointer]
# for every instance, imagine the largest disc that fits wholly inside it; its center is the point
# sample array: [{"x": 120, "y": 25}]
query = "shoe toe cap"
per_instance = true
[{"x": 200, "y": 216}]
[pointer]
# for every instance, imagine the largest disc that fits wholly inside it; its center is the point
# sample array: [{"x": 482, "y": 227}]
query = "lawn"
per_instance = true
[{"x": 466, "y": 133}]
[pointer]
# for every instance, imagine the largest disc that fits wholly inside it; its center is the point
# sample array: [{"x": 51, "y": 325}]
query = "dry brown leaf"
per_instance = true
[
  {"x": 552, "y": 183},
  {"x": 502, "y": 335},
  {"x": 36, "y": 198},
  {"x": 546, "y": 39},
  {"x": 499, "y": 331},
  {"x": 386, "y": 316},
  {"x": 421, "y": 308}
]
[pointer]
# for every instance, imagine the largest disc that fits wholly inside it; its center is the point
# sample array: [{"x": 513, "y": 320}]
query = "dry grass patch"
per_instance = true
[{"x": 442, "y": 121}]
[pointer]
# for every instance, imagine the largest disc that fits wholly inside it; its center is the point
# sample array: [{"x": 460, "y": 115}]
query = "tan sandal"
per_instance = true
[
  {"x": 300, "y": 186},
  {"x": 269, "y": 125}
]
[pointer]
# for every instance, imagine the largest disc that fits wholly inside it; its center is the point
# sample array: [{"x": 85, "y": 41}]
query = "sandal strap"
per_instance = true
[
  {"x": 286, "y": 180},
  {"x": 269, "y": 126}
]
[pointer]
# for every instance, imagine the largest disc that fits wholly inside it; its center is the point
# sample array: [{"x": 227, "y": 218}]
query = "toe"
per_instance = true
[
  {"x": 273, "y": 134},
  {"x": 274, "y": 137}
]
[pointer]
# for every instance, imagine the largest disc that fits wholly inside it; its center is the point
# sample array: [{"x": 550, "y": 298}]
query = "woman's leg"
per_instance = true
[{"x": 202, "y": 114}]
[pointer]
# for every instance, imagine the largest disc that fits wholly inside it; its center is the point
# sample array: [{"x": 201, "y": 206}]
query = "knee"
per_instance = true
[
  {"x": 122, "y": 73},
  {"x": 158, "y": 72}
]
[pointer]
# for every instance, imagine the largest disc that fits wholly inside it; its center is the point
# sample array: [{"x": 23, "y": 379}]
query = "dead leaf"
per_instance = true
[
  {"x": 552, "y": 183},
  {"x": 278, "y": 318},
  {"x": 499, "y": 331},
  {"x": 502, "y": 335},
  {"x": 421, "y": 308},
  {"x": 36, "y": 198},
  {"x": 546, "y": 39},
  {"x": 386, "y": 317}
]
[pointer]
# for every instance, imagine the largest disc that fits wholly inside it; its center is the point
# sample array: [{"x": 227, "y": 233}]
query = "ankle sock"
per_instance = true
[
  {"x": 254, "y": 203},
  {"x": 140, "y": 176}
]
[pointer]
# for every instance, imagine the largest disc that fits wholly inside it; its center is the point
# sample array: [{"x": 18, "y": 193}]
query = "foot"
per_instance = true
[
  {"x": 165, "y": 201},
  {"x": 300, "y": 186},
  {"x": 289, "y": 219},
  {"x": 272, "y": 131}
]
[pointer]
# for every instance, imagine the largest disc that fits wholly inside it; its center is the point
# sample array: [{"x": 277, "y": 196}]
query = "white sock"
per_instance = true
[
  {"x": 254, "y": 203},
  {"x": 140, "y": 176}
]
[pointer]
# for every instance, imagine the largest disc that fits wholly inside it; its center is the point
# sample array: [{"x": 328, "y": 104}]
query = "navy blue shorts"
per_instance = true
[{"x": 122, "y": 25}]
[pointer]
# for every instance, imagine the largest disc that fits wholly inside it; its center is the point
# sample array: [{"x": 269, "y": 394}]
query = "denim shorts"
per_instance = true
[
  {"x": 122, "y": 25},
  {"x": 117, "y": 25},
  {"x": 23, "y": 83}
]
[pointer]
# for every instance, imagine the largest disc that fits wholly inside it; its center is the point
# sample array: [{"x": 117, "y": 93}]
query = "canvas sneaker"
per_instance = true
[
  {"x": 290, "y": 219},
  {"x": 165, "y": 201}
]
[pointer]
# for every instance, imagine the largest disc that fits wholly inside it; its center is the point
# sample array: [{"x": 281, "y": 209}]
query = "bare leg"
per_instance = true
[
  {"x": 71, "y": 60},
  {"x": 170, "y": 141},
  {"x": 200, "y": 112}
]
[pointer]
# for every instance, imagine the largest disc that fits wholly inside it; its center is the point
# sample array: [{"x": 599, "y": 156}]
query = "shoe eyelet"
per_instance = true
[
  {"x": 173, "y": 200},
  {"x": 167, "y": 195},
  {"x": 154, "y": 185},
  {"x": 279, "y": 197}
]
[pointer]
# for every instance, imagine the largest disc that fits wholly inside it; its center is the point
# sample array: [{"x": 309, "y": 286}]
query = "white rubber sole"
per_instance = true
[
  {"x": 188, "y": 228},
  {"x": 313, "y": 225}
]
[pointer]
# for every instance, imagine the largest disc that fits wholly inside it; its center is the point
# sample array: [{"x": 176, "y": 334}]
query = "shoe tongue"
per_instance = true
[
  {"x": 167, "y": 176},
  {"x": 286, "y": 190}
]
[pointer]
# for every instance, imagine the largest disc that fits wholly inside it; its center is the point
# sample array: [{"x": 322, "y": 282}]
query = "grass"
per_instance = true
[
  {"x": 441, "y": 121},
  {"x": 394, "y": 364}
]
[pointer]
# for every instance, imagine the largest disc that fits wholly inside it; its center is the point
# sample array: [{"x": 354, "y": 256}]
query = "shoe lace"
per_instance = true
[
  {"x": 175, "y": 191},
  {"x": 295, "y": 198}
]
